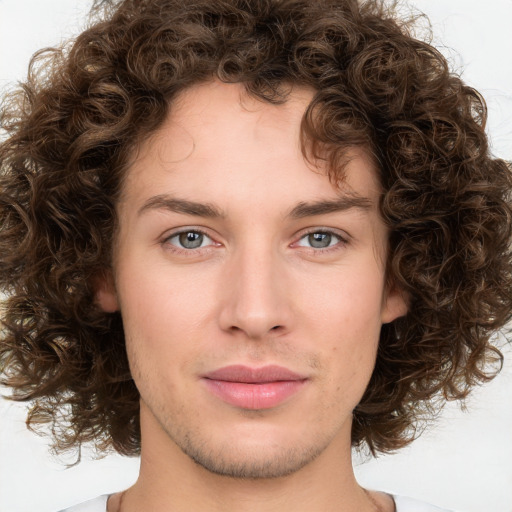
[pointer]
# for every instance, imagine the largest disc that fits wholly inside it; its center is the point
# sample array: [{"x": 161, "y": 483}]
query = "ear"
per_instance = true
[
  {"x": 105, "y": 292},
  {"x": 394, "y": 306}
]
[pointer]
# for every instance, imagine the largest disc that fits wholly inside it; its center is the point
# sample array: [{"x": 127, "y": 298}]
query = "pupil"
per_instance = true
[
  {"x": 320, "y": 240},
  {"x": 191, "y": 240}
]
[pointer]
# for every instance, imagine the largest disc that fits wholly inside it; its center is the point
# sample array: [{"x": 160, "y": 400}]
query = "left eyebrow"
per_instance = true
[
  {"x": 330, "y": 206},
  {"x": 173, "y": 204}
]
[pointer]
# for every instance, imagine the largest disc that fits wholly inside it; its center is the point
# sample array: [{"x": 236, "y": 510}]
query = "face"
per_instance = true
[{"x": 252, "y": 290}]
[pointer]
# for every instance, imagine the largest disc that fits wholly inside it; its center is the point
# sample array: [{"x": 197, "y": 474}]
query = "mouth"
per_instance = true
[{"x": 254, "y": 388}]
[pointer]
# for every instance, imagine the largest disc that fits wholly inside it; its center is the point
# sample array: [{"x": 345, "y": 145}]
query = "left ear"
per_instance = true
[
  {"x": 105, "y": 292},
  {"x": 394, "y": 306}
]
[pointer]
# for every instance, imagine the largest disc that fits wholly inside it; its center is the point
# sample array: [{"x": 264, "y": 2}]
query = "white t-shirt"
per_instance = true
[{"x": 403, "y": 504}]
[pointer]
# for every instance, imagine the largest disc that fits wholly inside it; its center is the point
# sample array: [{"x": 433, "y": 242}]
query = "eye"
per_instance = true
[
  {"x": 320, "y": 240},
  {"x": 190, "y": 239}
]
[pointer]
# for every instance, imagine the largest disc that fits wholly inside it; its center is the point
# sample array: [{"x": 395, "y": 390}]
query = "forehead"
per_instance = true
[
  {"x": 213, "y": 115},
  {"x": 218, "y": 133}
]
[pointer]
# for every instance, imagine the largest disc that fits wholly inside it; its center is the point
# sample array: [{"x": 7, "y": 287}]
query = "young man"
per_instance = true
[{"x": 240, "y": 237}]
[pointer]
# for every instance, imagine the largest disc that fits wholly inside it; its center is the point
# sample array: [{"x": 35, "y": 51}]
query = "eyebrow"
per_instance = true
[
  {"x": 330, "y": 206},
  {"x": 300, "y": 211},
  {"x": 173, "y": 204}
]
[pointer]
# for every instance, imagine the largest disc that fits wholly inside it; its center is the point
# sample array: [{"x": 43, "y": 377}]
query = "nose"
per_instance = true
[{"x": 255, "y": 298}]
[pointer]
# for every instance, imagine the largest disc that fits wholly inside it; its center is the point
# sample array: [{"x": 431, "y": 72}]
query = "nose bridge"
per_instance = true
[{"x": 255, "y": 302}]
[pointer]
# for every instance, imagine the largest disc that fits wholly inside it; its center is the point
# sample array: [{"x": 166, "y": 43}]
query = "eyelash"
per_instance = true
[
  {"x": 183, "y": 251},
  {"x": 342, "y": 241}
]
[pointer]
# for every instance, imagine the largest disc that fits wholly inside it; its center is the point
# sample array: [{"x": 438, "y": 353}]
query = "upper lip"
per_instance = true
[{"x": 246, "y": 374}]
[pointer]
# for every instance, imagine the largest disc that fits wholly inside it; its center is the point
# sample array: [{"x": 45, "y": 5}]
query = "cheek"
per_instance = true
[
  {"x": 347, "y": 300},
  {"x": 167, "y": 319},
  {"x": 156, "y": 298},
  {"x": 344, "y": 313}
]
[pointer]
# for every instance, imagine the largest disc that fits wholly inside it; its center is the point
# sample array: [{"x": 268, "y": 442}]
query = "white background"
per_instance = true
[{"x": 464, "y": 461}]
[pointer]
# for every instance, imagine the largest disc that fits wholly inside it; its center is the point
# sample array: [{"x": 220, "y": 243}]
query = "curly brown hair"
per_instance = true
[{"x": 85, "y": 108}]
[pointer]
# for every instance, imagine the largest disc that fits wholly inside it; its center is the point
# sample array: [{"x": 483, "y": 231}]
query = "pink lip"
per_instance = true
[{"x": 254, "y": 388}]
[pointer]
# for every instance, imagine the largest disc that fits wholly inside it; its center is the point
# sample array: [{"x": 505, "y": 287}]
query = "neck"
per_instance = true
[{"x": 170, "y": 480}]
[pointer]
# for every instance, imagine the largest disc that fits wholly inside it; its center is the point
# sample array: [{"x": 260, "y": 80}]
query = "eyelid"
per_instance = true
[
  {"x": 167, "y": 236},
  {"x": 343, "y": 236}
]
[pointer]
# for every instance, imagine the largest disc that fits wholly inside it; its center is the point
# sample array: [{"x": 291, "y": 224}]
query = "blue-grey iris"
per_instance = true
[
  {"x": 320, "y": 240},
  {"x": 191, "y": 239}
]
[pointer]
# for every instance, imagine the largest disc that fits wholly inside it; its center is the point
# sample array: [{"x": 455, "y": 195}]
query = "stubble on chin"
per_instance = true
[{"x": 251, "y": 463}]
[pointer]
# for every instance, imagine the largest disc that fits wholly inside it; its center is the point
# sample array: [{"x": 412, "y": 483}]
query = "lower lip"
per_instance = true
[{"x": 254, "y": 396}]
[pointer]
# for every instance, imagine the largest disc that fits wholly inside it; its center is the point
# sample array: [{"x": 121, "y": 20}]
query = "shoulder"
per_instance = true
[
  {"x": 404, "y": 504},
  {"x": 95, "y": 505}
]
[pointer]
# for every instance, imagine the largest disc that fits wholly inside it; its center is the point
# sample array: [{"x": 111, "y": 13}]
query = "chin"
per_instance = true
[{"x": 254, "y": 463}]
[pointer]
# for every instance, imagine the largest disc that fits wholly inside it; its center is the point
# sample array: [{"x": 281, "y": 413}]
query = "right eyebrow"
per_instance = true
[
  {"x": 173, "y": 204},
  {"x": 346, "y": 202}
]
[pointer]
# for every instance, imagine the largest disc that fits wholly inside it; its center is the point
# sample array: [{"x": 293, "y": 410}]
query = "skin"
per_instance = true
[{"x": 254, "y": 292}]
